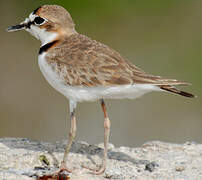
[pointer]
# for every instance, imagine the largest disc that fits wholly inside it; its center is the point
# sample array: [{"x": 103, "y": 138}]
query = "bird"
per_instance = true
[{"x": 83, "y": 69}]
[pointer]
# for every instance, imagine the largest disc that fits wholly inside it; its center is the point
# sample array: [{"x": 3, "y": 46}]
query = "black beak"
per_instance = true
[
  {"x": 16, "y": 27},
  {"x": 24, "y": 25}
]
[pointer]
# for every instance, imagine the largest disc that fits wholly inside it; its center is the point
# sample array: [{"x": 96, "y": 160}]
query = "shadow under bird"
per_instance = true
[{"x": 83, "y": 69}]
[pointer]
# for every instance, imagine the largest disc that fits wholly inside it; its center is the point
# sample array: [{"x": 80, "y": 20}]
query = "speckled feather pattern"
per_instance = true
[{"x": 81, "y": 61}]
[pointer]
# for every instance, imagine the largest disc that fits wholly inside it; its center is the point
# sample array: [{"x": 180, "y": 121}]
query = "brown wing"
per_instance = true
[{"x": 85, "y": 62}]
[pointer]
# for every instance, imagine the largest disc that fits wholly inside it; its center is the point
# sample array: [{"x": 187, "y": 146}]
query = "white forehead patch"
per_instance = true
[{"x": 32, "y": 17}]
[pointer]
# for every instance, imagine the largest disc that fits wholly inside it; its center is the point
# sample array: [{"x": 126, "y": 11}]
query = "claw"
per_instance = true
[
  {"x": 98, "y": 171},
  {"x": 64, "y": 168}
]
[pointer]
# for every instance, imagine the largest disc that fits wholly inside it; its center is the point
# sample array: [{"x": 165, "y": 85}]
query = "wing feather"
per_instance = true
[{"x": 86, "y": 62}]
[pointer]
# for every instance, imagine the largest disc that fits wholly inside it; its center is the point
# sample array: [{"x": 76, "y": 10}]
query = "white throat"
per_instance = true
[{"x": 44, "y": 36}]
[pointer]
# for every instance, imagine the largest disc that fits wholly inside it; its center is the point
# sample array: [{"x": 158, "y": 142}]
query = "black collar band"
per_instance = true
[{"x": 47, "y": 46}]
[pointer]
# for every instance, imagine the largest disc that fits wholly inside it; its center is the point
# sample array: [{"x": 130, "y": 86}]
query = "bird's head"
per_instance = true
[{"x": 47, "y": 23}]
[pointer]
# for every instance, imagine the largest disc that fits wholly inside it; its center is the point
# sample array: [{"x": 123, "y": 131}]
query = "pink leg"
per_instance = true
[
  {"x": 72, "y": 135},
  {"x": 106, "y": 140}
]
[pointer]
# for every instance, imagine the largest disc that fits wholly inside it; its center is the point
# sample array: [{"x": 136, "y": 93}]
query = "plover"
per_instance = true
[{"x": 83, "y": 69}]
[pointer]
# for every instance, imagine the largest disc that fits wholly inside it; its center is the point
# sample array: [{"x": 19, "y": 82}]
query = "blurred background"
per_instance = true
[{"x": 161, "y": 37}]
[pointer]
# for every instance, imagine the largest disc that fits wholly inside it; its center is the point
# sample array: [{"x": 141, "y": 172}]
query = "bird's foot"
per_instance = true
[
  {"x": 97, "y": 171},
  {"x": 63, "y": 168}
]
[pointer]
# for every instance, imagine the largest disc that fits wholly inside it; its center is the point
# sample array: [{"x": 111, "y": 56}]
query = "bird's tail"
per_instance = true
[{"x": 176, "y": 91}]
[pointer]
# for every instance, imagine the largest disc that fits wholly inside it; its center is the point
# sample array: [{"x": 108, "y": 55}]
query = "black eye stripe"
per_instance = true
[
  {"x": 29, "y": 25},
  {"x": 35, "y": 11},
  {"x": 39, "y": 20}
]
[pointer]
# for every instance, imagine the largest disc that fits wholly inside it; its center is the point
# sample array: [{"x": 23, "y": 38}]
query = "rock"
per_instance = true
[{"x": 24, "y": 159}]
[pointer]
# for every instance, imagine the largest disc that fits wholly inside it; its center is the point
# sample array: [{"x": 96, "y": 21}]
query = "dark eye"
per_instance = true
[{"x": 39, "y": 20}]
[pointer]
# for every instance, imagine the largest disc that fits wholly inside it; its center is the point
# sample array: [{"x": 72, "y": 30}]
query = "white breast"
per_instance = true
[{"x": 79, "y": 94}]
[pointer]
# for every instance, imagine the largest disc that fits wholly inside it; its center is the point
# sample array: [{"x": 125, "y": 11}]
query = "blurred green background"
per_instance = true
[{"x": 161, "y": 37}]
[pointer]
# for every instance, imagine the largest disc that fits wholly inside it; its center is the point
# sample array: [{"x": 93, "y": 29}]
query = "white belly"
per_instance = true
[{"x": 79, "y": 94}]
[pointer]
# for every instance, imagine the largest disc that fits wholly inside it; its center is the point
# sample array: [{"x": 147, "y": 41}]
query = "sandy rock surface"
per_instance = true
[{"x": 24, "y": 159}]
